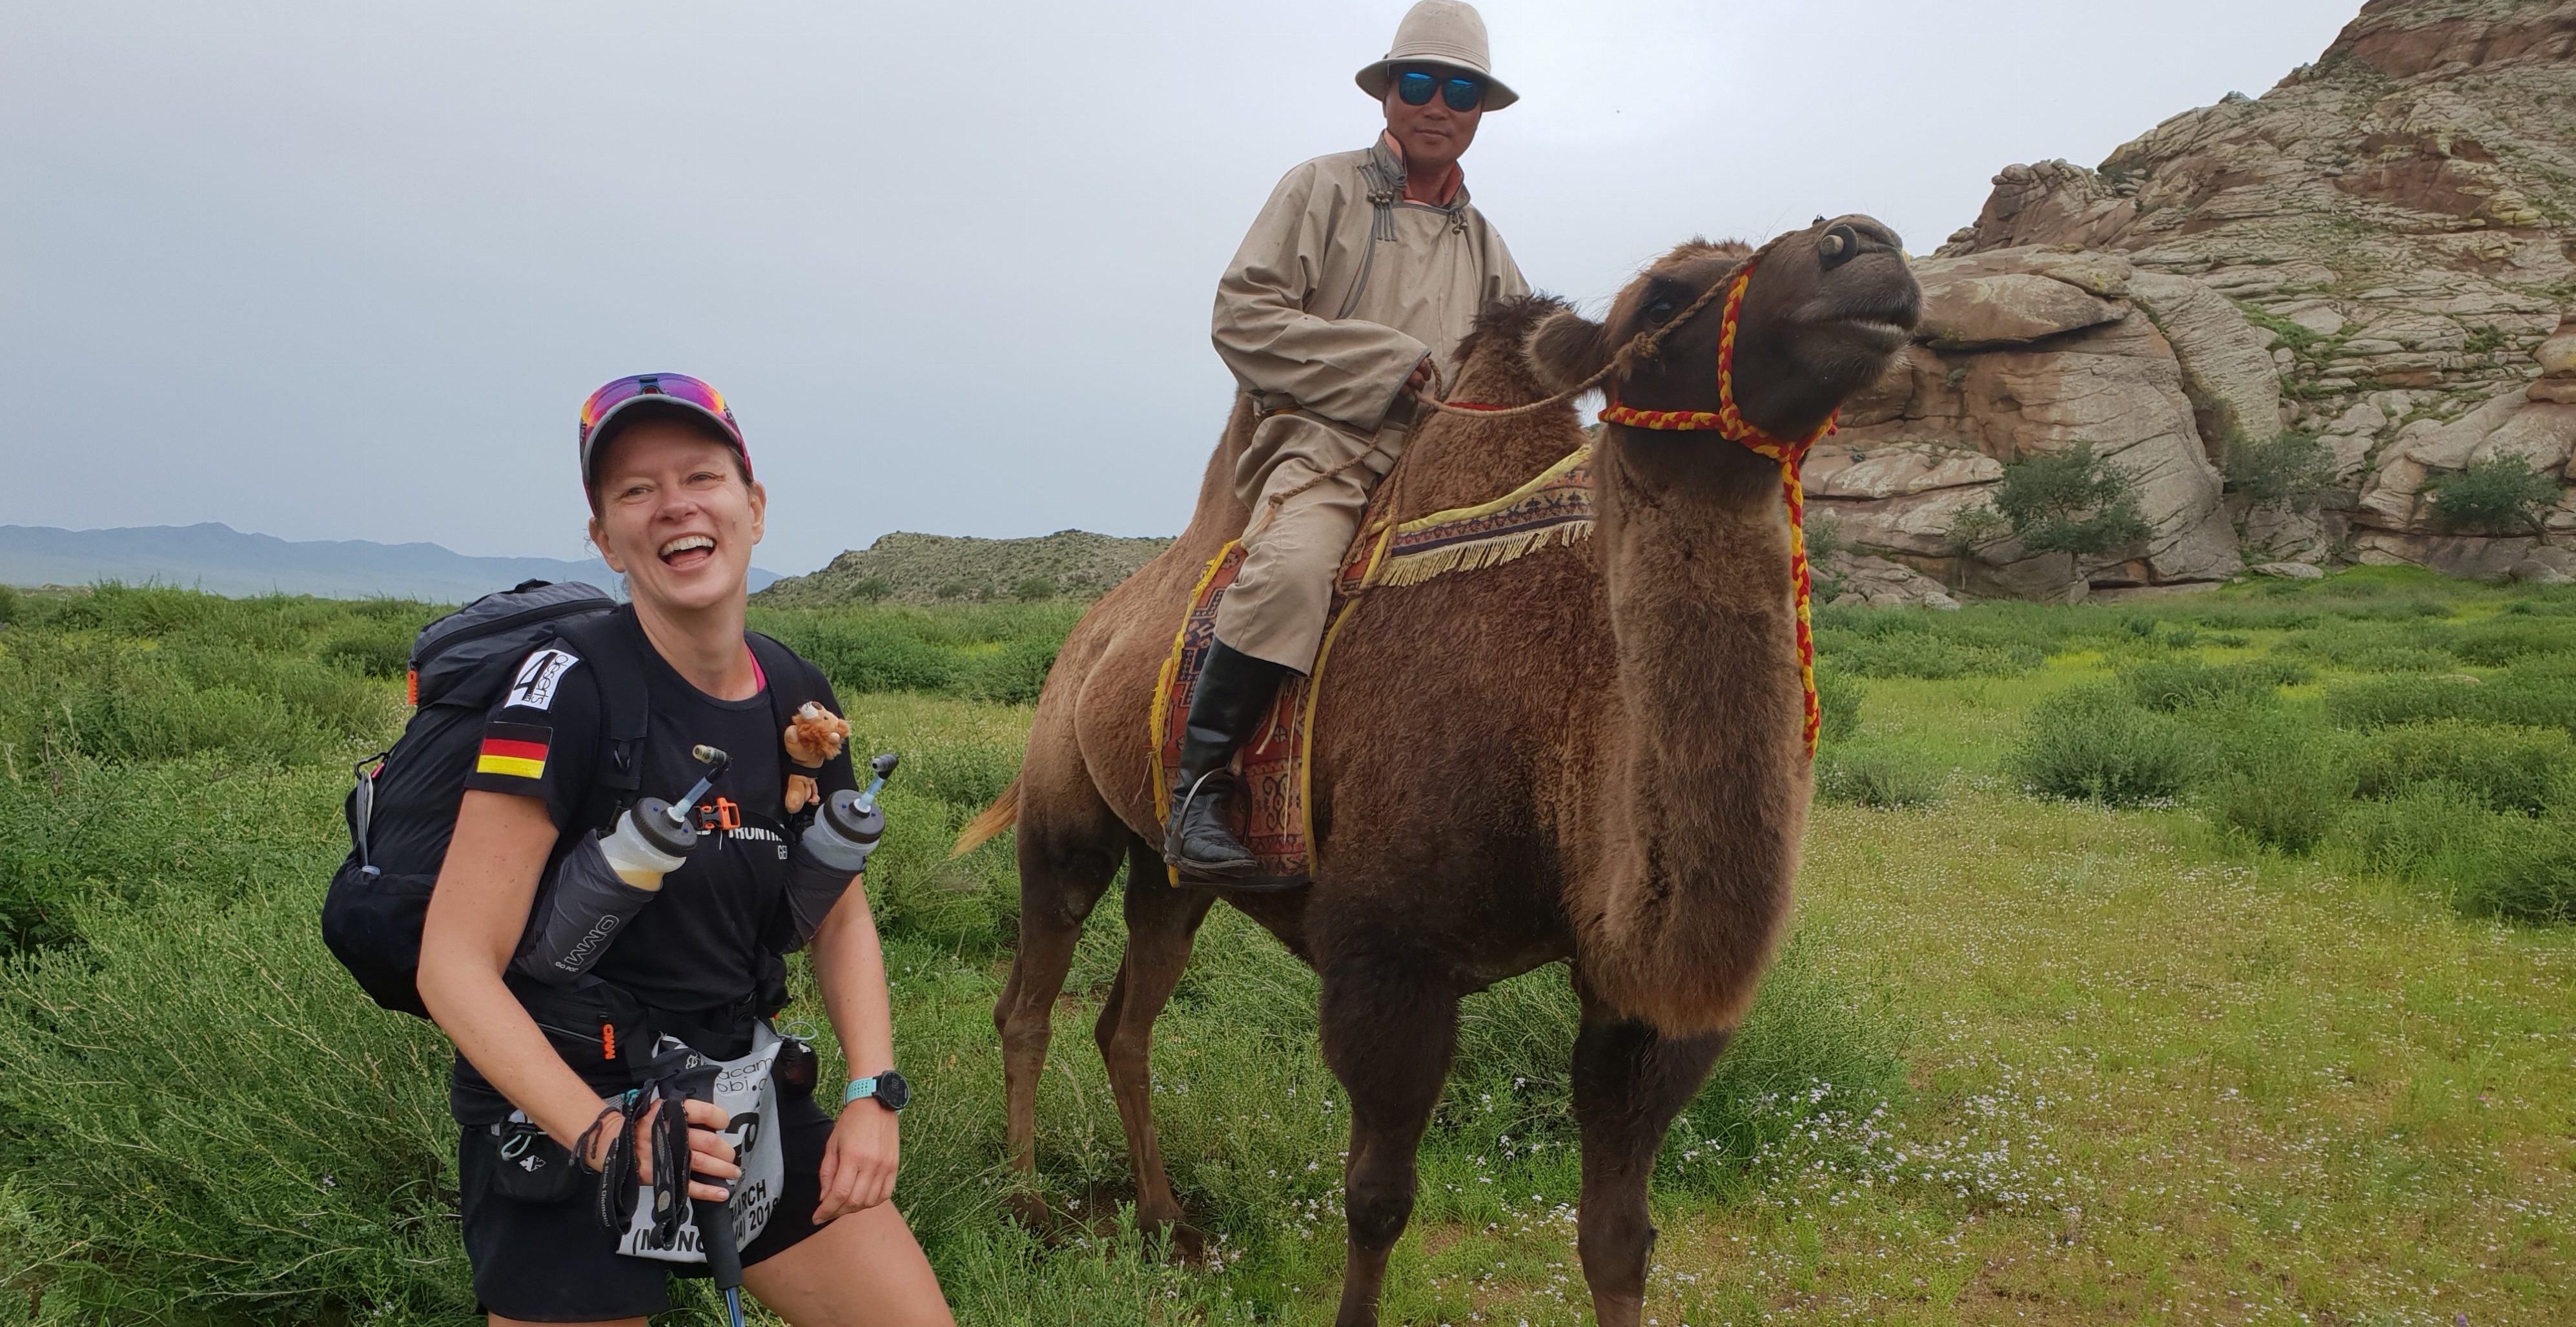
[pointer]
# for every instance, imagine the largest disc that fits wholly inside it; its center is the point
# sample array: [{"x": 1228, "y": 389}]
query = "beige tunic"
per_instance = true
[{"x": 1338, "y": 291}]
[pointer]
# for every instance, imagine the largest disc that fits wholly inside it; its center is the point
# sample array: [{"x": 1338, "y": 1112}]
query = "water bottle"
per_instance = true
[{"x": 648, "y": 843}]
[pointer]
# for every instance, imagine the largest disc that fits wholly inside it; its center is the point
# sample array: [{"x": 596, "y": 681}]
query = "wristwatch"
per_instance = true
[{"x": 887, "y": 1089}]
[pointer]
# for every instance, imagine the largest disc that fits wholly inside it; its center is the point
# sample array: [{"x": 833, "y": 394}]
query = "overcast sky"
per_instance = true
[{"x": 346, "y": 270}]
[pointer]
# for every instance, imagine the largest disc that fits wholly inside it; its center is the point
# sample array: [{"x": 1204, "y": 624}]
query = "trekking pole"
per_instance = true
[{"x": 714, "y": 1218}]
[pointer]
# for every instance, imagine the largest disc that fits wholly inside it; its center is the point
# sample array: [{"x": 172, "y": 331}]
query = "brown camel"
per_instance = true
[{"x": 1613, "y": 771}]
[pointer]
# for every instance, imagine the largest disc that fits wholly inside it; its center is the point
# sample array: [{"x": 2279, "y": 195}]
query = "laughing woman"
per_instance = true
[{"x": 569, "y": 1072}]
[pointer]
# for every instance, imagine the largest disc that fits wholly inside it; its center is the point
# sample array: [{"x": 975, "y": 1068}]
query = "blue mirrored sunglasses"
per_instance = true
[{"x": 1462, "y": 94}]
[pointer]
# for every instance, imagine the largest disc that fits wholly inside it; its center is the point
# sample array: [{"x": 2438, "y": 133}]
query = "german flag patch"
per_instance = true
[{"x": 517, "y": 750}]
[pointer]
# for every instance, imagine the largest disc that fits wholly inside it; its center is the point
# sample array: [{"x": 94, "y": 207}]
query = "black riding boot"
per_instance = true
[{"x": 1234, "y": 691}]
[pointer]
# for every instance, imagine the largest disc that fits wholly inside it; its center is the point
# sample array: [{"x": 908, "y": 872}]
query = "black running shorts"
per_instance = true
[{"x": 554, "y": 1262}]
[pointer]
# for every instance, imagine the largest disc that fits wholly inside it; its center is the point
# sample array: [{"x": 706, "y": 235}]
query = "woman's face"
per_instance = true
[{"x": 675, "y": 515}]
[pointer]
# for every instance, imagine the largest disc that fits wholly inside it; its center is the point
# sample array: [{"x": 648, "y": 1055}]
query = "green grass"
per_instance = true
[{"x": 2284, "y": 1039}]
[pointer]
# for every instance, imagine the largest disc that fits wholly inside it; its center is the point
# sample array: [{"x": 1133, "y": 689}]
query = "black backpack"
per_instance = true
[{"x": 403, "y": 809}]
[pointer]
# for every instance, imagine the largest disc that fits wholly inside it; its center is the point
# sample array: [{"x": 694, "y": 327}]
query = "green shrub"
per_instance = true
[
  {"x": 2501, "y": 495},
  {"x": 2486, "y": 864},
  {"x": 2070, "y": 502},
  {"x": 370, "y": 651},
  {"x": 2172, "y": 684},
  {"x": 1838, "y": 698},
  {"x": 873, "y": 589},
  {"x": 2500, "y": 641},
  {"x": 2289, "y": 466},
  {"x": 2090, "y": 744},
  {"x": 2508, "y": 768},
  {"x": 2533, "y": 695},
  {"x": 12, "y": 608},
  {"x": 1880, "y": 774},
  {"x": 1031, "y": 588},
  {"x": 227, "y": 1130},
  {"x": 1013, "y": 674},
  {"x": 2282, "y": 778}
]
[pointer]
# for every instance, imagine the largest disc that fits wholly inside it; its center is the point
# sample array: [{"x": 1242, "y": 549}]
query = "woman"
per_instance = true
[{"x": 675, "y": 510}]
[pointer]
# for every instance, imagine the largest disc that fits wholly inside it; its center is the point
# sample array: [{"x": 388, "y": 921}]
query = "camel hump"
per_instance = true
[{"x": 1001, "y": 815}]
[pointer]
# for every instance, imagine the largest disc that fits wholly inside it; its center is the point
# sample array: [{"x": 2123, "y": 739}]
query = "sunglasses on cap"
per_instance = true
[
  {"x": 674, "y": 388},
  {"x": 1462, "y": 93}
]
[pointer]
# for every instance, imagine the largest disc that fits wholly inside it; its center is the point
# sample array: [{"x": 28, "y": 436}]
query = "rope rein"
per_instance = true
[{"x": 1728, "y": 422}]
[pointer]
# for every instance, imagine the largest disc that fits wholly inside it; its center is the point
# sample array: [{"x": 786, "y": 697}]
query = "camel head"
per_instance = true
[{"x": 1825, "y": 313}]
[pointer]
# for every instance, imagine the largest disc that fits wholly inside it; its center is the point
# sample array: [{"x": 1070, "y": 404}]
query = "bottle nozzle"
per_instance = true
[{"x": 716, "y": 761}]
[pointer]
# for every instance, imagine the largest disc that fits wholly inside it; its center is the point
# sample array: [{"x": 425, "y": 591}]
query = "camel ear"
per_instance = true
[{"x": 1566, "y": 348}]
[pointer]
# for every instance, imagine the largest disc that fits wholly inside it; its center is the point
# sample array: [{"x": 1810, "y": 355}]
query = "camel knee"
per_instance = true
[{"x": 1380, "y": 1206}]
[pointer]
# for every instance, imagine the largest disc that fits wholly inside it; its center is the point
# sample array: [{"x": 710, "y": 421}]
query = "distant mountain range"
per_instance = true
[{"x": 221, "y": 560}]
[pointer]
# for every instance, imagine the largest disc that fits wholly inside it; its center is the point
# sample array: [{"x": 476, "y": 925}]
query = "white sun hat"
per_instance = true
[{"x": 1439, "y": 32}]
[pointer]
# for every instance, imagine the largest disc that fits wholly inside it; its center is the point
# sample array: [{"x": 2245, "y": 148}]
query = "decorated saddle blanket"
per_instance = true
[{"x": 1549, "y": 511}]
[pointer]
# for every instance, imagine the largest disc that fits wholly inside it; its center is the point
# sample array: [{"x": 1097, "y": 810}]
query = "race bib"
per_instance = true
[{"x": 746, "y": 1092}]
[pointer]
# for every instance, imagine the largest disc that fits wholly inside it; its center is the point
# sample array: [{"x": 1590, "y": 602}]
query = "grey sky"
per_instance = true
[{"x": 335, "y": 270}]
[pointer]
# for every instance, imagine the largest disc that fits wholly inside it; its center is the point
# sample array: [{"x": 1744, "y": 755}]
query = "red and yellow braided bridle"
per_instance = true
[{"x": 1728, "y": 422}]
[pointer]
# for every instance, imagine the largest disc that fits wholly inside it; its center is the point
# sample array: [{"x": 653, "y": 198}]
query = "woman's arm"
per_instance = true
[
  {"x": 476, "y": 913},
  {"x": 859, "y": 1165}
]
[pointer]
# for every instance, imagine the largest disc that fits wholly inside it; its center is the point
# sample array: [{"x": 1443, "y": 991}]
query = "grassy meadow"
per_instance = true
[{"x": 2207, "y": 959}]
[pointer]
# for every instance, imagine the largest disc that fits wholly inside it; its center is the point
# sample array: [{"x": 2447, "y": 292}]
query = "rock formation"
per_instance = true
[
  {"x": 2032, "y": 350},
  {"x": 2374, "y": 253}
]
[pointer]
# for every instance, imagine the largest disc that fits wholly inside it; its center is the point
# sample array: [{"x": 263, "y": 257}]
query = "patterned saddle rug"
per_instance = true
[{"x": 1551, "y": 510}]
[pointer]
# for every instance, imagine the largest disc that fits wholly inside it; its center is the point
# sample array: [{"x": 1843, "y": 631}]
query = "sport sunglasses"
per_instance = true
[
  {"x": 1462, "y": 93},
  {"x": 677, "y": 386}
]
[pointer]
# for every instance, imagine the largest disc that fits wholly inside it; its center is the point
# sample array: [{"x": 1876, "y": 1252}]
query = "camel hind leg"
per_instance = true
[
  {"x": 1161, "y": 921},
  {"x": 1069, "y": 847},
  {"x": 1629, "y": 1083}
]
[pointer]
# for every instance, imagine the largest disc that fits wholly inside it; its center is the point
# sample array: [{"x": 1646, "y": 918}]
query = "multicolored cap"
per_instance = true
[{"x": 670, "y": 389}]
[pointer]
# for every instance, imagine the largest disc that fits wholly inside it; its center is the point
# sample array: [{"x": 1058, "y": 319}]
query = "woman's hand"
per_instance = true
[
  {"x": 859, "y": 1162},
  {"x": 709, "y": 1153}
]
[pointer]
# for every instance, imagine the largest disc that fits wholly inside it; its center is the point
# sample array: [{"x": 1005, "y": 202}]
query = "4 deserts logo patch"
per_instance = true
[{"x": 534, "y": 687}]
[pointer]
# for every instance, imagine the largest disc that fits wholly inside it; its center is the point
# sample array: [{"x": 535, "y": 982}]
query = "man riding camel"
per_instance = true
[{"x": 1357, "y": 279}]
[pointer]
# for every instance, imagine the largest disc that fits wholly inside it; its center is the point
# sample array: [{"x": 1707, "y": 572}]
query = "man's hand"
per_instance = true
[
  {"x": 859, "y": 1162},
  {"x": 1421, "y": 376}
]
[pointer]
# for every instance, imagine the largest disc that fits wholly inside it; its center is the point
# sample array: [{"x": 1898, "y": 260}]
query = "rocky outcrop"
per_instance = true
[
  {"x": 2029, "y": 351},
  {"x": 2392, "y": 229},
  {"x": 1853, "y": 578}
]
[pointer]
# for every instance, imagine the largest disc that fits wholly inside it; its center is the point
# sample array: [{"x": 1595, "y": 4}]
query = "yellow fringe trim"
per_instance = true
[
  {"x": 1493, "y": 552},
  {"x": 1545, "y": 477}
]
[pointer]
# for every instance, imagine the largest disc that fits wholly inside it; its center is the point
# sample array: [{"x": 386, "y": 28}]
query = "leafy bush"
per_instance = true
[
  {"x": 2488, "y": 864},
  {"x": 1838, "y": 699},
  {"x": 1880, "y": 774},
  {"x": 2541, "y": 694},
  {"x": 12, "y": 608},
  {"x": 2090, "y": 744},
  {"x": 2501, "y": 495},
  {"x": 1013, "y": 674},
  {"x": 2289, "y": 466},
  {"x": 2505, "y": 640},
  {"x": 1031, "y": 588},
  {"x": 370, "y": 650},
  {"x": 2171, "y": 684},
  {"x": 2507, "y": 768},
  {"x": 2284, "y": 779},
  {"x": 2070, "y": 502}
]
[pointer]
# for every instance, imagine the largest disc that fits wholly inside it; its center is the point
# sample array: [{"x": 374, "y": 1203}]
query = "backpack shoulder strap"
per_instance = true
[
  {"x": 608, "y": 642},
  {"x": 792, "y": 681}
]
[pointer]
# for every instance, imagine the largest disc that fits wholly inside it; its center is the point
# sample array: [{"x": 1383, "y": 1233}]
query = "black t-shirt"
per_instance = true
[{"x": 695, "y": 951}]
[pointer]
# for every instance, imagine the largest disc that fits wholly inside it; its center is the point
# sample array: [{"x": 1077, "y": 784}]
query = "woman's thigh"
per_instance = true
[{"x": 863, "y": 1270}]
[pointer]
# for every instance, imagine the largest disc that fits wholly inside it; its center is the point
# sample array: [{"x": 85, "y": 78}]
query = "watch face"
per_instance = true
[{"x": 893, "y": 1091}]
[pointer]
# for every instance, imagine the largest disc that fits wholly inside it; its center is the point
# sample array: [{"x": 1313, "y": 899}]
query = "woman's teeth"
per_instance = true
[{"x": 687, "y": 543}]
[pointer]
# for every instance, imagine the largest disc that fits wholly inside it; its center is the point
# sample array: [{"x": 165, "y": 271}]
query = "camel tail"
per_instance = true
[{"x": 1001, "y": 815}]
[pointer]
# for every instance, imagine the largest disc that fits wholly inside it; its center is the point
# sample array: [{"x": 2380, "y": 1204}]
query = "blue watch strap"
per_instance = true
[{"x": 858, "y": 1088}]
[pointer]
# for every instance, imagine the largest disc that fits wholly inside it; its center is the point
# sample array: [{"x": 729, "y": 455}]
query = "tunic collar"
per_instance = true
[{"x": 1388, "y": 156}]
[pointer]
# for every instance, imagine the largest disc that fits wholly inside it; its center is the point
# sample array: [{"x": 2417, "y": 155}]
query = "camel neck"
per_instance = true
[{"x": 1694, "y": 550}]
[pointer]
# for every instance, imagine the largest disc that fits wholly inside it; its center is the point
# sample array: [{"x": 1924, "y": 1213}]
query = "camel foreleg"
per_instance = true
[
  {"x": 1390, "y": 1022},
  {"x": 1161, "y": 921},
  {"x": 1629, "y": 1083},
  {"x": 1062, "y": 876}
]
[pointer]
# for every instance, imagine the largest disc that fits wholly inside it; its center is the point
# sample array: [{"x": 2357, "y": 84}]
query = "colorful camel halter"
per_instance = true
[{"x": 1729, "y": 423}]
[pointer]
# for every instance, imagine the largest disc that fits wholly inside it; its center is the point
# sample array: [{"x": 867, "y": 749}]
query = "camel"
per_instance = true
[{"x": 1614, "y": 773}]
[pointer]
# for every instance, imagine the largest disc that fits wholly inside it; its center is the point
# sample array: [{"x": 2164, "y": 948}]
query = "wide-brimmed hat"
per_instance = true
[{"x": 1439, "y": 32}]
